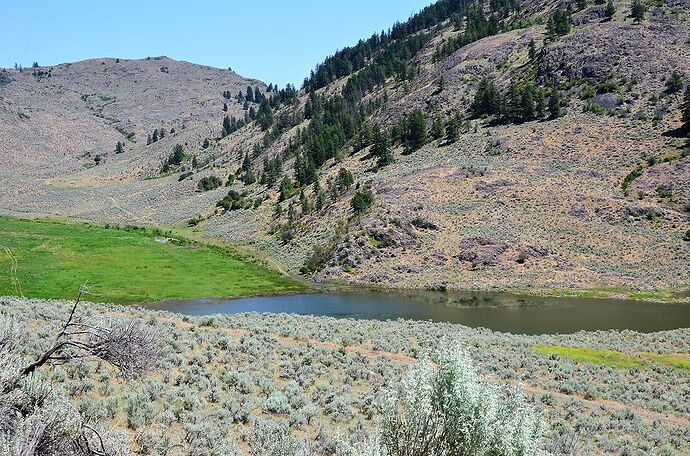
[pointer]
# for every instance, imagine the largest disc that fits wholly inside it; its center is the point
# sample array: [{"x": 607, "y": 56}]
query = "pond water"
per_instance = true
[{"x": 498, "y": 311}]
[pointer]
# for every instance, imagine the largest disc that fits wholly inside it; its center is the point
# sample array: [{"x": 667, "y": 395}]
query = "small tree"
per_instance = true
[
  {"x": 417, "y": 134},
  {"x": 438, "y": 129},
  {"x": 554, "y": 104},
  {"x": 637, "y": 11},
  {"x": 344, "y": 180},
  {"x": 685, "y": 108},
  {"x": 119, "y": 148},
  {"x": 674, "y": 83},
  {"x": 382, "y": 147},
  {"x": 610, "y": 10},
  {"x": 362, "y": 201},
  {"x": 532, "y": 50},
  {"x": 453, "y": 128}
]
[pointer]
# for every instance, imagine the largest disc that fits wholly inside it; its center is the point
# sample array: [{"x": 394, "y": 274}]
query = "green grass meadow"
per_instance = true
[
  {"x": 51, "y": 259},
  {"x": 615, "y": 359}
]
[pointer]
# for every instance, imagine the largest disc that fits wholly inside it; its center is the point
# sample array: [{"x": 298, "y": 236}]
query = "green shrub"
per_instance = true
[
  {"x": 362, "y": 201},
  {"x": 209, "y": 183}
]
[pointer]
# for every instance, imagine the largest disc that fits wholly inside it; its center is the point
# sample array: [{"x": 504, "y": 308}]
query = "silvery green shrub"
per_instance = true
[{"x": 442, "y": 408}]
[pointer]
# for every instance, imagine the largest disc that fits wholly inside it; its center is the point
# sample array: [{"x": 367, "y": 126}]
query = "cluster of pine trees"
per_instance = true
[
  {"x": 558, "y": 23},
  {"x": 158, "y": 133},
  {"x": 175, "y": 159},
  {"x": 477, "y": 26},
  {"x": 523, "y": 102},
  {"x": 352, "y": 59}
]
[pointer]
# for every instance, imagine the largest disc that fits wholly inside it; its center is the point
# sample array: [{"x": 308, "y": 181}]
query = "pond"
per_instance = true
[{"x": 498, "y": 311}]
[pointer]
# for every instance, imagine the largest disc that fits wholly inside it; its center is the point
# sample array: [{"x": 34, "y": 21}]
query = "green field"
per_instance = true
[
  {"x": 50, "y": 259},
  {"x": 614, "y": 358}
]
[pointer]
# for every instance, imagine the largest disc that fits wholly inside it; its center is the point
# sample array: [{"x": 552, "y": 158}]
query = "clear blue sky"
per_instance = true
[{"x": 276, "y": 41}]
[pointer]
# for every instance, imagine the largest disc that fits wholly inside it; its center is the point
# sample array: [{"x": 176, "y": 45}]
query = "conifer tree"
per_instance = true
[
  {"x": 453, "y": 129},
  {"x": 119, "y": 148},
  {"x": 246, "y": 163},
  {"x": 637, "y": 11},
  {"x": 382, "y": 147},
  {"x": 417, "y": 134},
  {"x": 554, "y": 104},
  {"x": 539, "y": 103},
  {"x": 250, "y": 95},
  {"x": 685, "y": 108},
  {"x": 227, "y": 127},
  {"x": 610, "y": 10},
  {"x": 675, "y": 82},
  {"x": 287, "y": 189},
  {"x": 438, "y": 129},
  {"x": 532, "y": 52}
]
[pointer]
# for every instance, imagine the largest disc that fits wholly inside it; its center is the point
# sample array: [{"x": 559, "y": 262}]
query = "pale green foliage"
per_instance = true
[
  {"x": 443, "y": 408},
  {"x": 271, "y": 438}
]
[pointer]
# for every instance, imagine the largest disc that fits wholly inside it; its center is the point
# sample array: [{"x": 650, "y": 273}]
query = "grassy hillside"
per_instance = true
[{"x": 49, "y": 259}]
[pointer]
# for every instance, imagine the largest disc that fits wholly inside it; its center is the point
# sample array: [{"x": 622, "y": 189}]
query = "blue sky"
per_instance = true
[{"x": 275, "y": 41}]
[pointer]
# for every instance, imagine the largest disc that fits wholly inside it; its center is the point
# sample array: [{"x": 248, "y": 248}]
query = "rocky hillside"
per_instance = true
[{"x": 515, "y": 145}]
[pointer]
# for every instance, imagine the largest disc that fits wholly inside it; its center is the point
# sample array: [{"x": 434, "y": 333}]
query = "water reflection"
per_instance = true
[{"x": 497, "y": 311}]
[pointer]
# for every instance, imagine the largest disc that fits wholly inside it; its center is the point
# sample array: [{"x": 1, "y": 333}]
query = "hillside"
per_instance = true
[{"x": 595, "y": 197}]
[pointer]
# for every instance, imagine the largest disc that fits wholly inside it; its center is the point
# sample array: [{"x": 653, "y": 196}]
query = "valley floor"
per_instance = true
[
  {"x": 47, "y": 258},
  {"x": 608, "y": 392}
]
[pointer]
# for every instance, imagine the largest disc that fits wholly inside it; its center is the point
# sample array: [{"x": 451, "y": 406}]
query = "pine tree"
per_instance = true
[
  {"x": 558, "y": 24},
  {"x": 581, "y": 4},
  {"x": 637, "y": 11},
  {"x": 265, "y": 115},
  {"x": 119, "y": 148},
  {"x": 610, "y": 10},
  {"x": 438, "y": 129},
  {"x": 250, "y": 95},
  {"x": 287, "y": 189},
  {"x": 674, "y": 83},
  {"x": 539, "y": 103},
  {"x": 246, "y": 163},
  {"x": 225, "y": 107},
  {"x": 685, "y": 108},
  {"x": 304, "y": 202},
  {"x": 532, "y": 53},
  {"x": 227, "y": 127},
  {"x": 453, "y": 129},
  {"x": 417, "y": 134},
  {"x": 441, "y": 85},
  {"x": 381, "y": 147},
  {"x": 554, "y": 104},
  {"x": 487, "y": 100}
]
